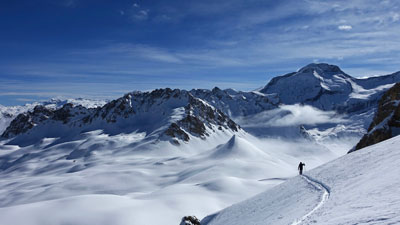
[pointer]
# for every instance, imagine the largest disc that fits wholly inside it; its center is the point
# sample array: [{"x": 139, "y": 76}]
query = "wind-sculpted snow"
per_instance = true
[
  {"x": 130, "y": 179},
  {"x": 362, "y": 189}
]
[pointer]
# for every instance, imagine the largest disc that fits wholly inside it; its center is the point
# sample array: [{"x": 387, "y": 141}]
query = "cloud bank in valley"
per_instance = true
[{"x": 290, "y": 115}]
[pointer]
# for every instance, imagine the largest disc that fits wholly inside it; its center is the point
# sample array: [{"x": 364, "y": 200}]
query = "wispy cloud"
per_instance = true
[{"x": 345, "y": 27}]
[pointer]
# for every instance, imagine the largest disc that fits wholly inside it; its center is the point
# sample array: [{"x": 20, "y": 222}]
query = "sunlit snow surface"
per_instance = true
[
  {"x": 363, "y": 189},
  {"x": 124, "y": 179}
]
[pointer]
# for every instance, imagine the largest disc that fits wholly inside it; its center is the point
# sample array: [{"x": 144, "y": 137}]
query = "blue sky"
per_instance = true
[{"x": 102, "y": 49}]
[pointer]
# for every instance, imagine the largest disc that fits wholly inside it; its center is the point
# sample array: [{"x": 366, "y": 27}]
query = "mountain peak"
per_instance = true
[
  {"x": 313, "y": 84},
  {"x": 321, "y": 68}
]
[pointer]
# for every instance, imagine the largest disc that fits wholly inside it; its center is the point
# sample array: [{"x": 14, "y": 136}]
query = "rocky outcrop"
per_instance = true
[
  {"x": 386, "y": 122},
  {"x": 25, "y": 121},
  {"x": 199, "y": 119},
  {"x": 190, "y": 220}
]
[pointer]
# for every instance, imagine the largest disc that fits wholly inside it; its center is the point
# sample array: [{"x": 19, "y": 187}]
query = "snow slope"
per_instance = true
[
  {"x": 109, "y": 179},
  {"x": 358, "y": 188}
]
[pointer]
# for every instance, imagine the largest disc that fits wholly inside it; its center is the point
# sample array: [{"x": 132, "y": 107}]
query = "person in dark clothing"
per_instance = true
[{"x": 300, "y": 168}]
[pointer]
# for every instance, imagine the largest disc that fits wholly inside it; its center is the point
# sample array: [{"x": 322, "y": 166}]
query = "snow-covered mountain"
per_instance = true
[
  {"x": 358, "y": 188},
  {"x": 349, "y": 104},
  {"x": 327, "y": 87}
]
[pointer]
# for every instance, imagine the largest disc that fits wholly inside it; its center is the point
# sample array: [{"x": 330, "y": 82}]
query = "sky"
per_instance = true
[{"x": 101, "y": 49}]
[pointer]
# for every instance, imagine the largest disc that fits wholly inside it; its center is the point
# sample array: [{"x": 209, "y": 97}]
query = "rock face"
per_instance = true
[
  {"x": 386, "y": 122},
  {"x": 198, "y": 118},
  {"x": 163, "y": 114},
  {"x": 190, "y": 220}
]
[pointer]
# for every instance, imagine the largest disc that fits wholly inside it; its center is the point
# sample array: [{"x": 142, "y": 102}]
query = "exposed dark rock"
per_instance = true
[
  {"x": 26, "y": 121},
  {"x": 386, "y": 122},
  {"x": 199, "y": 116},
  {"x": 190, "y": 220},
  {"x": 64, "y": 113},
  {"x": 175, "y": 131},
  {"x": 194, "y": 125}
]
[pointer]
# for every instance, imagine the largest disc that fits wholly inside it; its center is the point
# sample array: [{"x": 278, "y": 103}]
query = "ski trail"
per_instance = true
[{"x": 325, "y": 195}]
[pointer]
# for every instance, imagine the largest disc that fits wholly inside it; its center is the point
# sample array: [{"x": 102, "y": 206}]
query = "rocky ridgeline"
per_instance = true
[
  {"x": 182, "y": 115},
  {"x": 386, "y": 122},
  {"x": 237, "y": 103},
  {"x": 26, "y": 121}
]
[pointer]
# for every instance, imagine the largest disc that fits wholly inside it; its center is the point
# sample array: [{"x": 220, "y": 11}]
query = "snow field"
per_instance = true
[
  {"x": 362, "y": 188},
  {"x": 131, "y": 180}
]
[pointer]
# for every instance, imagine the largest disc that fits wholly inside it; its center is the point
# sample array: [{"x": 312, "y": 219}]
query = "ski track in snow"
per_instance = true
[{"x": 325, "y": 195}]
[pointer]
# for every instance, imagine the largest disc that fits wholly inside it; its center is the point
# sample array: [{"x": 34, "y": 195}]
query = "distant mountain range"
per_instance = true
[{"x": 182, "y": 115}]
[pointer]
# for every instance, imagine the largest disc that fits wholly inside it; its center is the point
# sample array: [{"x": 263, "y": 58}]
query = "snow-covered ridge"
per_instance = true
[
  {"x": 161, "y": 113},
  {"x": 236, "y": 103},
  {"x": 8, "y": 113}
]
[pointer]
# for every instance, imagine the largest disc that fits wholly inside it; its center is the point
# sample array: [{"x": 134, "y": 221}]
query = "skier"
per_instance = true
[{"x": 300, "y": 168}]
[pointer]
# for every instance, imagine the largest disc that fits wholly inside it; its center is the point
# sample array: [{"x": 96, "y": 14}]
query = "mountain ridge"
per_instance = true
[
  {"x": 176, "y": 110},
  {"x": 319, "y": 85}
]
